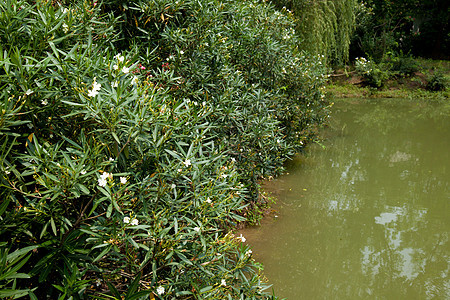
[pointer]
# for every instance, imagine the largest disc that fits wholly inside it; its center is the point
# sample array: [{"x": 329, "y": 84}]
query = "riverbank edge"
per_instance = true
[
  {"x": 345, "y": 82},
  {"x": 349, "y": 90}
]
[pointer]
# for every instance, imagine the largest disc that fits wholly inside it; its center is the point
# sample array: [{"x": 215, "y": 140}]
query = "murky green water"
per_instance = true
[{"x": 368, "y": 217}]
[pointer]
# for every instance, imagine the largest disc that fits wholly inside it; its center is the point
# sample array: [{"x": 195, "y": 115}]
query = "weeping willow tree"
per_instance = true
[{"x": 325, "y": 26}]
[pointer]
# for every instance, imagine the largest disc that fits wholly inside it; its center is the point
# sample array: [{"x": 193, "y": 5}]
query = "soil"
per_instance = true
[{"x": 415, "y": 81}]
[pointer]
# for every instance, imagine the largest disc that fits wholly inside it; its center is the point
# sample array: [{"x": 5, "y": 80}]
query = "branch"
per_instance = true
[{"x": 79, "y": 220}]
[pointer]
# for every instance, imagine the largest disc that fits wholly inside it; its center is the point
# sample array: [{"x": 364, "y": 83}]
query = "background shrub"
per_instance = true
[
  {"x": 374, "y": 75},
  {"x": 437, "y": 82},
  {"x": 403, "y": 65},
  {"x": 132, "y": 137}
]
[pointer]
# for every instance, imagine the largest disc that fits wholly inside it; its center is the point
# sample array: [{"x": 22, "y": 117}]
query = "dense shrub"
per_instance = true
[
  {"x": 374, "y": 75},
  {"x": 403, "y": 65},
  {"x": 133, "y": 134},
  {"x": 437, "y": 82}
]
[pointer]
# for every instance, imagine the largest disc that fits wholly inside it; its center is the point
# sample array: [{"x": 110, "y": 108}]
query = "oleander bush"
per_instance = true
[{"x": 133, "y": 135}]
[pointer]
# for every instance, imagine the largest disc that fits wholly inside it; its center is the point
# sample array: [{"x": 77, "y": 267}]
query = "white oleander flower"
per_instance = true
[
  {"x": 135, "y": 222},
  {"x": 160, "y": 290},
  {"x": 187, "y": 163},
  {"x": 126, "y": 220},
  {"x": 102, "y": 182},
  {"x": 106, "y": 175},
  {"x": 119, "y": 57},
  {"x": 242, "y": 238},
  {"x": 92, "y": 93},
  {"x": 95, "y": 88},
  {"x": 123, "y": 180}
]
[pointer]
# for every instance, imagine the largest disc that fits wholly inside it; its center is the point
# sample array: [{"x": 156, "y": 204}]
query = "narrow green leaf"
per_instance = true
[
  {"x": 205, "y": 289},
  {"x": 18, "y": 275},
  {"x": 83, "y": 188},
  {"x": 17, "y": 253},
  {"x": 4, "y": 205},
  {"x": 134, "y": 285},
  {"x": 115, "y": 137},
  {"x": 13, "y": 293},
  {"x": 44, "y": 230},
  {"x": 55, "y": 51},
  {"x": 114, "y": 291},
  {"x": 32, "y": 296},
  {"x": 103, "y": 253},
  {"x": 139, "y": 295},
  {"x": 109, "y": 211},
  {"x": 52, "y": 223}
]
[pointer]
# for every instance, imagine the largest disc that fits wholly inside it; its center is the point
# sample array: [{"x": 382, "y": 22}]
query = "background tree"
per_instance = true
[
  {"x": 324, "y": 26},
  {"x": 416, "y": 27}
]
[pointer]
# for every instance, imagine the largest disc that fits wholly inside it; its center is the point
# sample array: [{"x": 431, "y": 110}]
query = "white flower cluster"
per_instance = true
[
  {"x": 102, "y": 181},
  {"x": 160, "y": 290},
  {"x": 120, "y": 59},
  {"x": 95, "y": 88},
  {"x": 363, "y": 65},
  {"x": 133, "y": 221}
]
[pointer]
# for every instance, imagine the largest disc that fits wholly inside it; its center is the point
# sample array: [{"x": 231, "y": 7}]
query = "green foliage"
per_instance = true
[
  {"x": 437, "y": 82},
  {"x": 411, "y": 26},
  {"x": 132, "y": 137},
  {"x": 324, "y": 27},
  {"x": 374, "y": 74},
  {"x": 403, "y": 65},
  {"x": 370, "y": 38},
  {"x": 10, "y": 264}
]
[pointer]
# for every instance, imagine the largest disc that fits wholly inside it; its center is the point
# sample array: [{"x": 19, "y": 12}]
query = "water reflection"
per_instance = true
[{"x": 368, "y": 216}]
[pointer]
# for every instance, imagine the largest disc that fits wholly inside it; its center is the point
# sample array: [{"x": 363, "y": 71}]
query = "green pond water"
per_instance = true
[{"x": 368, "y": 216}]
